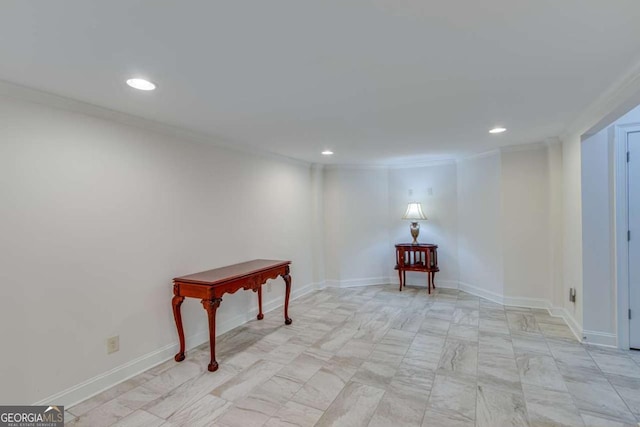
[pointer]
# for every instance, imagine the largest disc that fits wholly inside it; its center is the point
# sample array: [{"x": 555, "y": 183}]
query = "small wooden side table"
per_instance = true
[{"x": 417, "y": 257}]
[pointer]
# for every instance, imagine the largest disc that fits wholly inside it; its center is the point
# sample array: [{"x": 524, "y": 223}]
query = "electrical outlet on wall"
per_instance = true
[
  {"x": 113, "y": 344},
  {"x": 430, "y": 191}
]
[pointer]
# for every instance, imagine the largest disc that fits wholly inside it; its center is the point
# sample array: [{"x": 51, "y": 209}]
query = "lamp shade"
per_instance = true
[{"x": 414, "y": 212}]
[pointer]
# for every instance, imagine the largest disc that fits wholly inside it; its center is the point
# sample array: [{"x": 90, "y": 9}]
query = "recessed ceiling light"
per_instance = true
[
  {"x": 498, "y": 130},
  {"x": 141, "y": 84},
  {"x": 327, "y": 153}
]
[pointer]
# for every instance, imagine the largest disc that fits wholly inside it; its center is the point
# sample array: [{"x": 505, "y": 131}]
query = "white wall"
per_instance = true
[
  {"x": 441, "y": 209},
  {"x": 97, "y": 218},
  {"x": 556, "y": 209},
  {"x": 597, "y": 214},
  {"x": 480, "y": 254},
  {"x": 526, "y": 241},
  {"x": 356, "y": 226},
  {"x": 359, "y": 249},
  {"x": 572, "y": 226},
  {"x": 493, "y": 216},
  {"x": 316, "y": 224}
]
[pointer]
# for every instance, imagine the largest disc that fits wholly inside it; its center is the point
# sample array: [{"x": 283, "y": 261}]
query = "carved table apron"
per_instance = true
[{"x": 210, "y": 285}]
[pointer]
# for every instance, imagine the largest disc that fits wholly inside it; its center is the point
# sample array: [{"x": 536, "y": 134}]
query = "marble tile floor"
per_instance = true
[{"x": 373, "y": 356}]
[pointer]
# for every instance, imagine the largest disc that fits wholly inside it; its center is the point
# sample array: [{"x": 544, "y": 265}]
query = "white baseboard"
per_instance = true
[
  {"x": 412, "y": 281},
  {"x": 528, "y": 302},
  {"x": 571, "y": 322},
  {"x": 597, "y": 338},
  {"x": 603, "y": 339},
  {"x": 320, "y": 285},
  {"x": 525, "y": 302},
  {"x": 106, "y": 380},
  {"x": 446, "y": 284},
  {"x": 352, "y": 283},
  {"x": 474, "y": 290},
  {"x": 574, "y": 326}
]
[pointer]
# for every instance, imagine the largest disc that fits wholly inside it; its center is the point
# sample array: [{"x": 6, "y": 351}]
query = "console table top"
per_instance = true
[{"x": 231, "y": 272}]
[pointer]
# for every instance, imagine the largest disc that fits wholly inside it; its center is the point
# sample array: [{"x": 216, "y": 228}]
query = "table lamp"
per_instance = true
[{"x": 413, "y": 214}]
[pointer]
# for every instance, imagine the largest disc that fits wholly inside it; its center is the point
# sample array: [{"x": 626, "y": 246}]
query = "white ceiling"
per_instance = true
[{"x": 377, "y": 81}]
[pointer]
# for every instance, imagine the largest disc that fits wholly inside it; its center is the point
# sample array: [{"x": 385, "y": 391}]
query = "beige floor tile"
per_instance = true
[
  {"x": 294, "y": 414},
  {"x": 497, "y": 407},
  {"x": 202, "y": 413},
  {"x": 375, "y": 356},
  {"x": 541, "y": 371},
  {"x": 354, "y": 406},
  {"x": 459, "y": 357},
  {"x": 404, "y": 410},
  {"x": 247, "y": 380},
  {"x": 550, "y": 408},
  {"x": 140, "y": 419},
  {"x": 104, "y": 415},
  {"x": 454, "y": 397},
  {"x": 320, "y": 390},
  {"x": 104, "y": 397}
]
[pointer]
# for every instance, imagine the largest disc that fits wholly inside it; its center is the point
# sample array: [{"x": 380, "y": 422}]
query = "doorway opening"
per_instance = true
[
  {"x": 627, "y": 227},
  {"x": 610, "y": 160}
]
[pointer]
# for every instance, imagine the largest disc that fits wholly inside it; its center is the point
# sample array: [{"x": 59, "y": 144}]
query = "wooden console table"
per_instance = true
[
  {"x": 417, "y": 257},
  {"x": 210, "y": 285}
]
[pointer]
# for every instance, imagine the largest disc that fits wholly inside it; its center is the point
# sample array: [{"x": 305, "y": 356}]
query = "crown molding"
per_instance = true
[
  {"x": 523, "y": 147},
  {"x": 548, "y": 142},
  {"x": 478, "y": 155},
  {"x": 363, "y": 166},
  {"x": 531, "y": 146},
  {"x": 24, "y": 93},
  {"x": 616, "y": 101},
  {"x": 391, "y": 166},
  {"x": 423, "y": 163}
]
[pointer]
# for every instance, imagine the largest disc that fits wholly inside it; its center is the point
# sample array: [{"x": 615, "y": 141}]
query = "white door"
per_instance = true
[{"x": 633, "y": 141}]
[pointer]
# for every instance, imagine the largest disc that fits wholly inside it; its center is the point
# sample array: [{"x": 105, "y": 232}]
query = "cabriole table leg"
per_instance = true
[
  {"x": 287, "y": 282},
  {"x": 176, "y": 302},
  {"x": 260, "y": 315},
  {"x": 212, "y": 306}
]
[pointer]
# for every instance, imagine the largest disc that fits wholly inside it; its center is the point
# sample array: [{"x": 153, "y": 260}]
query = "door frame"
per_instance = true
[{"x": 621, "y": 227}]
